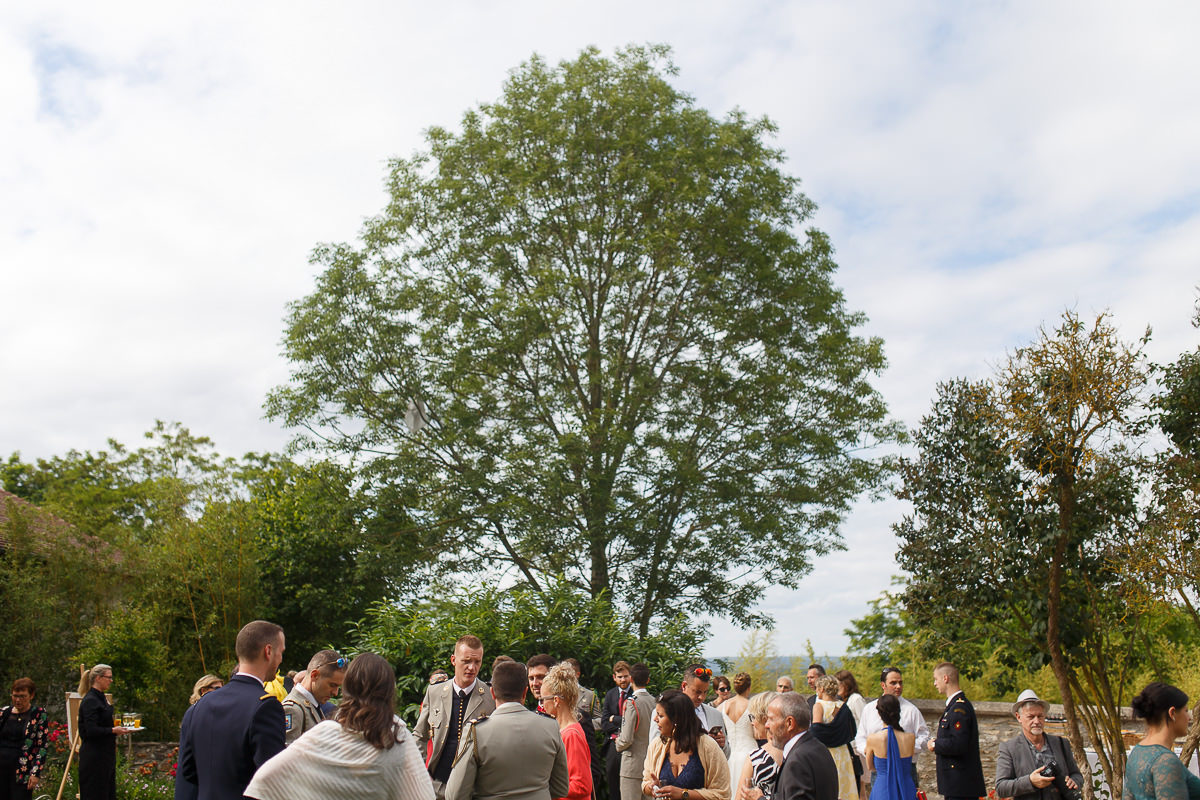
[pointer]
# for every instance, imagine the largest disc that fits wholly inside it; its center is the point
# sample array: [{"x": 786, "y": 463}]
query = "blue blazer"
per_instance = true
[{"x": 227, "y": 735}]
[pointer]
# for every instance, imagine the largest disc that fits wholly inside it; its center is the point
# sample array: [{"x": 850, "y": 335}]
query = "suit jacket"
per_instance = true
[
  {"x": 437, "y": 711},
  {"x": 1016, "y": 761},
  {"x": 227, "y": 735},
  {"x": 514, "y": 754},
  {"x": 716, "y": 718},
  {"x": 610, "y": 716},
  {"x": 634, "y": 739},
  {"x": 959, "y": 772},
  {"x": 299, "y": 714},
  {"x": 808, "y": 772}
]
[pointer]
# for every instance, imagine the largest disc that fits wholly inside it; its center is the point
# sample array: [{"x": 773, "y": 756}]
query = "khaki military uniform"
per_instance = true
[
  {"x": 299, "y": 714},
  {"x": 514, "y": 754}
]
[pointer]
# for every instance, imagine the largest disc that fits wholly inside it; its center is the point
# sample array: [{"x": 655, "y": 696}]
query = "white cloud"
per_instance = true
[{"x": 167, "y": 170}]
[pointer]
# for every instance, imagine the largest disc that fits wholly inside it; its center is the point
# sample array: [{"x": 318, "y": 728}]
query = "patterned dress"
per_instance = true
[
  {"x": 764, "y": 772},
  {"x": 847, "y": 790}
]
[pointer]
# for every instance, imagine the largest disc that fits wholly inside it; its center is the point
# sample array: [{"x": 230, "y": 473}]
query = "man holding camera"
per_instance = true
[{"x": 1035, "y": 765}]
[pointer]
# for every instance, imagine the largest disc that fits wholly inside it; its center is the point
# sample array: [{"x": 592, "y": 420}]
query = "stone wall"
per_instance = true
[{"x": 996, "y": 725}]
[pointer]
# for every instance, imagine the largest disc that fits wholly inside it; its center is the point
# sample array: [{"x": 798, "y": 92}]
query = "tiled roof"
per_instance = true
[{"x": 45, "y": 529}]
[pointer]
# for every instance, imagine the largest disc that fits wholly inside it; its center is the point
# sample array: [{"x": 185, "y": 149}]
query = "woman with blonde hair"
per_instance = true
[
  {"x": 560, "y": 695},
  {"x": 824, "y": 711},
  {"x": 758, "y": 776},
  {"x": 203, "y": 686}
]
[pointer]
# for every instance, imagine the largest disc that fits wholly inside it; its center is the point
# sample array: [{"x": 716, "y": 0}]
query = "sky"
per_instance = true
[{"x": 167, "y": 169}]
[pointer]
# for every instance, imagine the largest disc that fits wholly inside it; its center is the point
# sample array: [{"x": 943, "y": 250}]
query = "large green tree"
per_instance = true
[
  {"x": 1022, "y": 491},
  {"x": 586, "y": 338}
]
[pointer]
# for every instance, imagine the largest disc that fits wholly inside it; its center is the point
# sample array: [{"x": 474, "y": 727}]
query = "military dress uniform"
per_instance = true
[
  {"x": 514, "y": 754},
  {"x": 227, "y": 735},
  {"x": 300, "y": 712},
  {"x": 439, "y": 728},
  {"x": 959, "y": 771}
]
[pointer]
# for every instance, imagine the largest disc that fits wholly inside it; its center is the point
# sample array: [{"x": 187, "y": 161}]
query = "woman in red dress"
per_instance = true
[{"x": 560, "y": 695}]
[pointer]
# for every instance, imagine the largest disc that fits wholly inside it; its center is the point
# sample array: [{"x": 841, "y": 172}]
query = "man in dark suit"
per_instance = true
[
  {"x": 610, "y": 725},
  {"x": 228, "y": 734},
  {"x": 959, "y": 771},
  {"x": 807, "y": 771}
]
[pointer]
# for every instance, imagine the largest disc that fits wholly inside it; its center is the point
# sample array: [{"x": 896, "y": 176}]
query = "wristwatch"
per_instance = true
[{"x": 685, "y": 794}]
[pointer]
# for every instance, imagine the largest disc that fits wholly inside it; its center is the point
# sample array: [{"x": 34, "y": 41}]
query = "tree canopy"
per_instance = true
[{"x": 586, "y": 339}]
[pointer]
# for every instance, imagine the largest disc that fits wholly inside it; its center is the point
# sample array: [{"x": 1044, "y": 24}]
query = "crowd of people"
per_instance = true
[{"x": 534, "y": 733}]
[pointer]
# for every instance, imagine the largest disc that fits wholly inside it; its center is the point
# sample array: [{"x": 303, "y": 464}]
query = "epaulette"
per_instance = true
[
  {"x": 469, "y": 735},
  {"x": 265, "y": 696}
]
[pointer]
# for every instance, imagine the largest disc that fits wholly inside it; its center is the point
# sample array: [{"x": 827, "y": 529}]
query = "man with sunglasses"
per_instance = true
[
  {"x": 696, "y": 679},
  {"x": 321, "y": 681}
]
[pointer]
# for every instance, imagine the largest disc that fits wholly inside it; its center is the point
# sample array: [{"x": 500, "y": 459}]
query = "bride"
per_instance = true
[{"x": 737, "y": 722}]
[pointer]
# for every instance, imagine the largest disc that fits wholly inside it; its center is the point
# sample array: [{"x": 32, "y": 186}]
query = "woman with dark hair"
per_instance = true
[
  {"x": 721, "y": 687},
  {"x": 848, "y": 690},
  {"x": 890, "y": 752},
  {"x": 23, "y": 737},
  {"x": 364, "y": 752},
  {"x": 1153, "y": 771},
  {"x": 683, "y": 762}
]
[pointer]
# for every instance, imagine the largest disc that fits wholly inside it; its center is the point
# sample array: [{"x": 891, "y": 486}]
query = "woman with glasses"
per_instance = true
[
  {"x": 98, "y": 752},
  {"x": 23, "y": 737},
  {"x": 365, "y": 752},
  {"x": 683, "y": 762},
  {"x": 721, "y": 687},
  {"x": 761, "y": 770},
  {"x": 560, "y": 695}
]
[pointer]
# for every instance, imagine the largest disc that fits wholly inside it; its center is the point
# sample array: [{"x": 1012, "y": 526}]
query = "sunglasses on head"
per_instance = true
[
  {"x": 342, "y": 663},
  {"x": 703, "y": 673}
]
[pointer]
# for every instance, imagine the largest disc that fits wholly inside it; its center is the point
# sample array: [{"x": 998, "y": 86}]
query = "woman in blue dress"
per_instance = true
[
  {"x": 1153, "y": 771},
  {"x": 890, "y": 753}
]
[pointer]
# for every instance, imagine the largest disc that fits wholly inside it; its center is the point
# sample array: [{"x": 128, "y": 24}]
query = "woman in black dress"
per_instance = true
[
  {"x": 98, "y": 753},
  {"x": 23, "y": 737}
]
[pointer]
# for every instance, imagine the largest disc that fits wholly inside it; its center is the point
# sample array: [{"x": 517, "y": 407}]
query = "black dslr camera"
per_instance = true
[{"x": 1053, "y": 770}]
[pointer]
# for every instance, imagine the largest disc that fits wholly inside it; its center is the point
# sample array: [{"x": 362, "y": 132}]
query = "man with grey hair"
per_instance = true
[
  {"x": 807, "y": 771},
  {"x": 784, "y": 684},
  {"x": 1035, "y": 765},
  {"x": 321, "y": 681}
]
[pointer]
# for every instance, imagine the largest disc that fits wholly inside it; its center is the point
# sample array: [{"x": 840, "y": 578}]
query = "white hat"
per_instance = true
[{"x": 1029, "y": 696}]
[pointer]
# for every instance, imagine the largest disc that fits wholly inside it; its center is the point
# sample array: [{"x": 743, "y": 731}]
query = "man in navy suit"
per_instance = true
[
  {"x": 807, "y": 771},
  {"x": 228, "y": 734},
  {"x": 610, "y": 726},
  {"x": 959, "y": 771}
]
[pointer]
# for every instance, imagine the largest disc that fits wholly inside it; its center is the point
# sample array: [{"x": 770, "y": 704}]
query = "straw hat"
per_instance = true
[{"x": 1029, "y": 696}]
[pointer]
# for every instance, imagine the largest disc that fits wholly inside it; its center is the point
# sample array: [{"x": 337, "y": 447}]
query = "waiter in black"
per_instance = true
[
  {"x": 959, "y": 771},
  {"x": 98, "y": 752}
]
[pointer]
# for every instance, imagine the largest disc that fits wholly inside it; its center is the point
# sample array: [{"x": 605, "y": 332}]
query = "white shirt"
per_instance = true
[
  {"x": 950, "y": 699},
  {"x": 787, "y": 748},
  {"x": 910, "y": 719}
]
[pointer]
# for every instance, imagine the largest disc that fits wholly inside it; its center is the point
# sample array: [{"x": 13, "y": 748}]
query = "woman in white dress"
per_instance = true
[
  {"x": 737, "y": 722},
  {"x": 824, "y": 709},
  {"x": 365, "y": 753}
]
